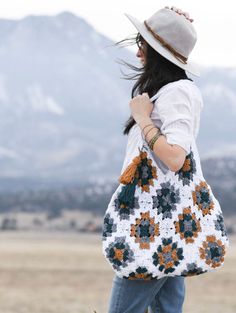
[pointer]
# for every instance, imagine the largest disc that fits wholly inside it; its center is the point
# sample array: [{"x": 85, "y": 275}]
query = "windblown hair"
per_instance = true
[{"x": 156, "y": 73}]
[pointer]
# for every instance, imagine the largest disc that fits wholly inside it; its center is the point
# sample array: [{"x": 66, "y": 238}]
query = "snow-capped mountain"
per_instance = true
[{"x": 63, "y": 103}]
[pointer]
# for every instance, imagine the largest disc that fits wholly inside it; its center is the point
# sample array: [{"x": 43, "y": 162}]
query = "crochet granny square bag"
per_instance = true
[{"x": 163, "y": 224}]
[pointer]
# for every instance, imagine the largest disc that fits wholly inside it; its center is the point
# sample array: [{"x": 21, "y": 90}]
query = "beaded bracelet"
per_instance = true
[
  {"x": 142, "y": 130},
  {"x": 146, "y": 126},
  {"x": 154, "y": 139},
  {"x": 148, "y": 132}
]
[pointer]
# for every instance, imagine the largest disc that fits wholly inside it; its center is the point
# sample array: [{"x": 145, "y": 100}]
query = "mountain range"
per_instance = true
[{"x": 64, "y": 102}]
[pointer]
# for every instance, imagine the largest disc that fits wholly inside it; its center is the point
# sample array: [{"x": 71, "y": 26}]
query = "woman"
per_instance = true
[{"x": 164, "y": 41}]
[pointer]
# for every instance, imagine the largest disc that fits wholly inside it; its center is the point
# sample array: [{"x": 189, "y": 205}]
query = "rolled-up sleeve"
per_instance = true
[{"x": 173, "y": 108}]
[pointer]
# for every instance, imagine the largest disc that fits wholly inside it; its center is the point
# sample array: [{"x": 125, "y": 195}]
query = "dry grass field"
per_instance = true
[{"x": 67, "y": 273}]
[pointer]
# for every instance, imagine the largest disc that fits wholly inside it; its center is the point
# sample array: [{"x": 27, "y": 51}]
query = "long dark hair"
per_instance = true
[{"x": 156, "y": 73}]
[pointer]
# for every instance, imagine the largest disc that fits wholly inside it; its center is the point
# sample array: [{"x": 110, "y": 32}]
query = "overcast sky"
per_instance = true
[{"x": 215, "y": 23}]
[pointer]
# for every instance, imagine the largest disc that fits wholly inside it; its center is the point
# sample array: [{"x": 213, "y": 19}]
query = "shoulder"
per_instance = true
[
  {"x": 182, "y": 86},
  {"x": 183, "y": 91}
]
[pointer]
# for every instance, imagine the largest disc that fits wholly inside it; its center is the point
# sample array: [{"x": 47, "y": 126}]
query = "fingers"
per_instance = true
[
  {"x": 143, "y": 95},
  {"x": 180, "y": 12},
  {"x": 186, "y": 14}
]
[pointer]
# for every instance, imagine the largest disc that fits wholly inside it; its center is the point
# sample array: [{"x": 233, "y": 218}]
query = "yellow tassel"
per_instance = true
[{"x": 128, "y": 175}]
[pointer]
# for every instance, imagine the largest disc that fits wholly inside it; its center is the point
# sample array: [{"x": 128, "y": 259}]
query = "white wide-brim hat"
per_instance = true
[{"x": 170, "y": 34}]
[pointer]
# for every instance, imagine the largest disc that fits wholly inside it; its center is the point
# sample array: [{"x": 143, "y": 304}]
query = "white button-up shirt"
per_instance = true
[{"x": 176, "y": 112}]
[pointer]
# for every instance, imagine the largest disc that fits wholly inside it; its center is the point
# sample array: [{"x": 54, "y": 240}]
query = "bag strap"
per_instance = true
[{"x": 153, "y": 98}]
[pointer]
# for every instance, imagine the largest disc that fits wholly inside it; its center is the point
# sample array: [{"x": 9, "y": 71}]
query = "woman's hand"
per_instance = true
[
  {"x": 141, "y": 107},
  {"x": 180, "y": 12}
]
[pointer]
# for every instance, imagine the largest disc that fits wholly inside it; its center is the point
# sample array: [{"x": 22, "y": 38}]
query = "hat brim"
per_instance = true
[{"x": 190, "y": 67}]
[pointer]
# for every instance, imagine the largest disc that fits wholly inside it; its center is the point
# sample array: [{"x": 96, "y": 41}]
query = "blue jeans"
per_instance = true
[{"x": 165, "y": 295}]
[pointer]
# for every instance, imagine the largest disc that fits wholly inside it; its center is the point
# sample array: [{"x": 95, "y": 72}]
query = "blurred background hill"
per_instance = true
[{"x": 63, "y": 104}]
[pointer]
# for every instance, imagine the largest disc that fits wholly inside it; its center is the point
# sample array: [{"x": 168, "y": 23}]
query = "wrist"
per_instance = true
[
  {"x": 149, "y": 130},
  {"x": 143, "y": 121}
]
